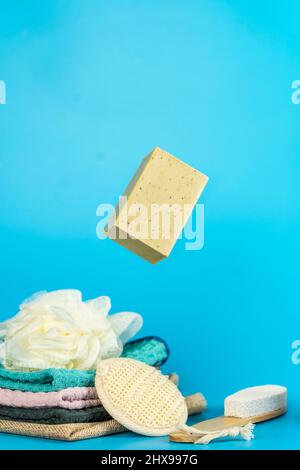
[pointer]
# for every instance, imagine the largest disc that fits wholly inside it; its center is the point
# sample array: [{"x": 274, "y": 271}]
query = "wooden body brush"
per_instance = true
[{"x": 241, "y": 411}]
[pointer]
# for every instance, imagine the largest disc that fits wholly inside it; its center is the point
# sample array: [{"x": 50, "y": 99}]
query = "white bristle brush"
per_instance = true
[{"x": 241, "y": 411}]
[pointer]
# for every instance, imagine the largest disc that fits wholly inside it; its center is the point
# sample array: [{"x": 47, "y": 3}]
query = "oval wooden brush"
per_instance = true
[
  {"x": 241, "y": 411},
  {"x": 142, "y": 399}
]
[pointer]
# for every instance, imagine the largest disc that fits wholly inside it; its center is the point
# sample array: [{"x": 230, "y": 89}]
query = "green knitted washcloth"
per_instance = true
[{"x": 151, "y": 350}]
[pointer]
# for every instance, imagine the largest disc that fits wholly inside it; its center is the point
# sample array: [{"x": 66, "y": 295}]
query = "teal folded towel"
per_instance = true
[
  {"x": 47, "y": 380},
  {"x": 151, "y": 350}
]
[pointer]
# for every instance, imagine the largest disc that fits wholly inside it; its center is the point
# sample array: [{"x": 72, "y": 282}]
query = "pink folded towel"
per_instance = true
[{"x": 74, "y": 398}]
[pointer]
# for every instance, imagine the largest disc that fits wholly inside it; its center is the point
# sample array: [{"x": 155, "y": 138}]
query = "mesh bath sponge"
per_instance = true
[{"x": 140, "y": 397}]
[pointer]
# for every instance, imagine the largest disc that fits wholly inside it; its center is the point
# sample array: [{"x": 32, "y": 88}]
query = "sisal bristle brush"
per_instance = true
[{"x": 241, "y": 411}]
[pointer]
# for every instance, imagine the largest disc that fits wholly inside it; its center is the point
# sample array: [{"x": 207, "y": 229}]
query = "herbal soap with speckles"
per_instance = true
[{"x": 156, "y": 205}]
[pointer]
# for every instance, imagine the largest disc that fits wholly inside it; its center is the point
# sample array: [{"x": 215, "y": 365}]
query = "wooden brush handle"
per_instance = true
[
  {"x": 195, "y": 403},
  {"x": 222, "y": 422},
  {"x": 174, "y": 378}
]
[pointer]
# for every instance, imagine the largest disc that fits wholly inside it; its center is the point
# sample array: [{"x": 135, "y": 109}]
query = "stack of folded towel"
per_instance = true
[
  {"x": 49, "y": 353},
  {"x": 62, "y": 403}
]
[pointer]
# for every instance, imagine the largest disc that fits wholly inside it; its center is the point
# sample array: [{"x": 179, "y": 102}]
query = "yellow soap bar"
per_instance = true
[{"x": 156, "y": 205}]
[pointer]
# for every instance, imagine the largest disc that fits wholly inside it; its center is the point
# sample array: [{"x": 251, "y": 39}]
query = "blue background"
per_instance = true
[{"x": 92, "y": 87}]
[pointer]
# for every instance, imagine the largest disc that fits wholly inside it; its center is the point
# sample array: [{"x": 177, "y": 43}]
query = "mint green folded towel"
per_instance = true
[
  {"x": 48, "y": 380},
  {"x": 151, "y": 350}
]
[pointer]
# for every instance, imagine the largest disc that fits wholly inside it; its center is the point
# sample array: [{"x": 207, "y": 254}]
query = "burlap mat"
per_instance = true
[{"x": 63, "y": 432}]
